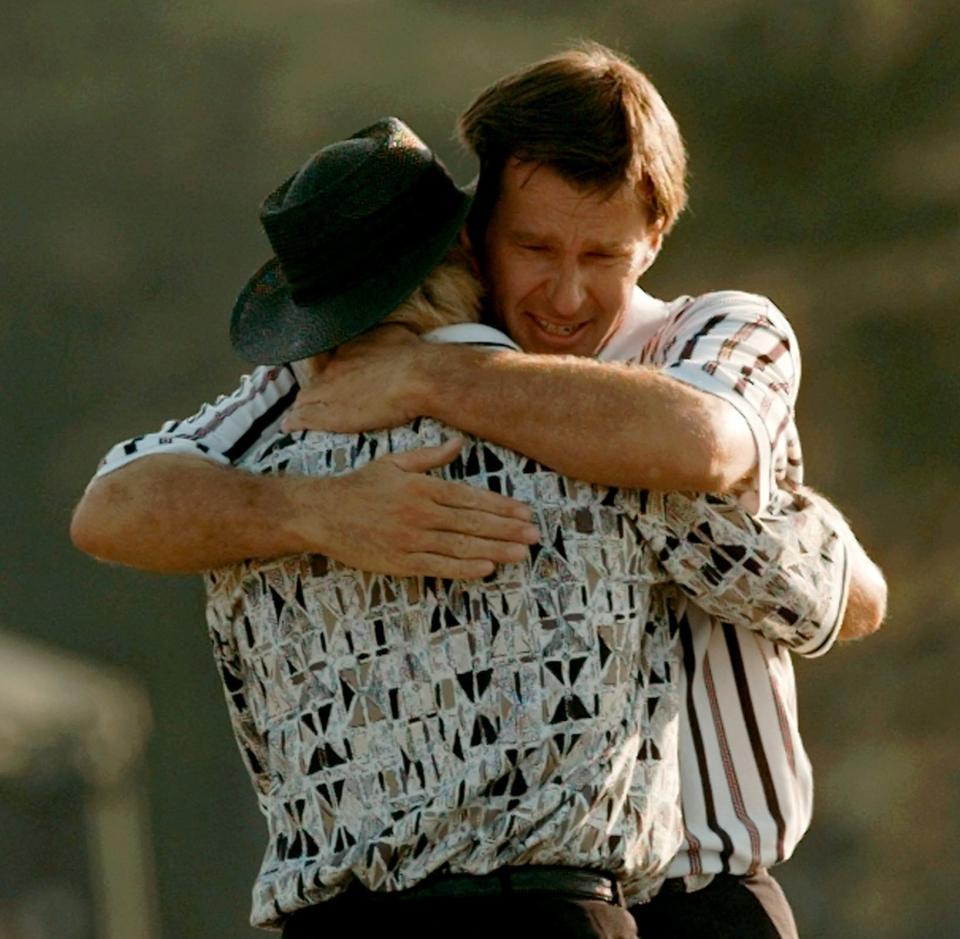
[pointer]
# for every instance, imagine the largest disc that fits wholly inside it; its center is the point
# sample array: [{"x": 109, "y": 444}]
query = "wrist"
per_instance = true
[
  {"x": 300, "y": 509},
  {"x": 424, "y": 380}
]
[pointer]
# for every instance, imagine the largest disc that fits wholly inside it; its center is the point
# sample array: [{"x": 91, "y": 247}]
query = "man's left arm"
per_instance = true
[
  {"x": 795, "y": 574},
  {"x": 711, "y": 413},
  {"x": 689, "y": 422}
]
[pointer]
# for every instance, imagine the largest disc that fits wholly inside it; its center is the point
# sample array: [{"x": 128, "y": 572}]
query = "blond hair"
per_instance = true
[{"x": 450, "y": 294}]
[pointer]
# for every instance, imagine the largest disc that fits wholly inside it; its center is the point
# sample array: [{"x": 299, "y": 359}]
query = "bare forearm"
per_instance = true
[
  {"x": 178, "y": 514},
  {"x": 601, "y": 422}
]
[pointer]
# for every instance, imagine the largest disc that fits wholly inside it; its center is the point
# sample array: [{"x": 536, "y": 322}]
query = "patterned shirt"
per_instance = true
[
  {"x": 235, "y": 426},
  {"x": 395, "y": 727}
]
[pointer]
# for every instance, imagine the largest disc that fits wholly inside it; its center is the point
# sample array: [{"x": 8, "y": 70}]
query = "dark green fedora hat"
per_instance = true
[{"x": 354, "y": 232}]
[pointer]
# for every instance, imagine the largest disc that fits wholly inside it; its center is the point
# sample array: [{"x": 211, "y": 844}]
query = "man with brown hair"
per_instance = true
[
  {"x": 572, "y": 205},
  {"x": 582, "y": 173}
]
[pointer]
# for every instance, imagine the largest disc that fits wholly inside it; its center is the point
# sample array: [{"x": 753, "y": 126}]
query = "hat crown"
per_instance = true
[
  {"x": 354, "y": 231},
  {"x": 337, "y": 179},
  {"x": 324, "y": 170}
]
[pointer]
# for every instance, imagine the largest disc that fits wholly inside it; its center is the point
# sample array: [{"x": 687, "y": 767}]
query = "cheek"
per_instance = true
[{"x": 513, "y": 280}]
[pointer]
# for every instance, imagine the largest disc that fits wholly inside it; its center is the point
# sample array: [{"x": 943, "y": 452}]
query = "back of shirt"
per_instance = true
[{"x": 394, "y": 726}]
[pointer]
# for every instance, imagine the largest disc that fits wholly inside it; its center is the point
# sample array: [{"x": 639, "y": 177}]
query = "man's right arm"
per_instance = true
[{"x": 172, "y": 502}]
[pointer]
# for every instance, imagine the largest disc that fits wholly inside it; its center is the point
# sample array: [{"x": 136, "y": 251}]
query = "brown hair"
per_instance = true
[{"x": 587, "y": 113}]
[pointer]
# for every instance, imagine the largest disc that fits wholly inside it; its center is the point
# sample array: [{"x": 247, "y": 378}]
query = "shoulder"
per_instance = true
[
  {"x": 733, "y": 318},
  {"x": 730, "y": 305},
  {"x": 739, "y": 303}
]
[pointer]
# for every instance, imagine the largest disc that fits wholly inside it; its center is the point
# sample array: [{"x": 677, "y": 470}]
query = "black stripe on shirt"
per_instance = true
[
  {"x": 705, "y": 330},
  {"x": 690, "y": 667},
  {"x": 256, "y": 429},
  {"x": 753, "y": 732}
]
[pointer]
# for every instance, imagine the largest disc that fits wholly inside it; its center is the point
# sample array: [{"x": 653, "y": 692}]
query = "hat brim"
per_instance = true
[{"x": 268, "y": 328}]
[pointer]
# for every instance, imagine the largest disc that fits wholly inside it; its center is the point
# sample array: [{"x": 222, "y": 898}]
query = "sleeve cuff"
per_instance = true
[
  {"x": 823, "y": 641},
  {"x": 131, "y": 450}
]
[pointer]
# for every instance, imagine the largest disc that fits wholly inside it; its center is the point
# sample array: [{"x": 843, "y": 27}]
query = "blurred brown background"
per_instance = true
[{"x": 138, "y": 141}]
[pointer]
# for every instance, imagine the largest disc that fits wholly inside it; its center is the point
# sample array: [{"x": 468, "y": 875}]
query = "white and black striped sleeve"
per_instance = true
[
  {"x": 740, "y": 347},
  {"x": 223, "y": 431}
]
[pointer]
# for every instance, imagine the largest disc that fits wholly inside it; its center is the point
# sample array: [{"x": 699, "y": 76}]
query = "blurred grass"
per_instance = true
[{"x": 140, "y": 139}]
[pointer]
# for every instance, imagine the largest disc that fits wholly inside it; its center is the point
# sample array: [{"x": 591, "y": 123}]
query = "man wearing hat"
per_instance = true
[
  {"x": 462, "y": 532},
  {"x": 338, "y": 815}
]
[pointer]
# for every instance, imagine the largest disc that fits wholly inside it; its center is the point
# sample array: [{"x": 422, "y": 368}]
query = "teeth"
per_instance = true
[{"x": 556, "y": 330}]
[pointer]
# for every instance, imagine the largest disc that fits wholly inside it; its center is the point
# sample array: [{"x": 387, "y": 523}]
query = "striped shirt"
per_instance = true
[{"x": 745, "y": 779}]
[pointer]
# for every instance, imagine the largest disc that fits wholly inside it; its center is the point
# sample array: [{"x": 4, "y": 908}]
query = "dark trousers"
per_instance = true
[
  {"x": 498, "y": 917},
  {"x": 749, "y": 907}
]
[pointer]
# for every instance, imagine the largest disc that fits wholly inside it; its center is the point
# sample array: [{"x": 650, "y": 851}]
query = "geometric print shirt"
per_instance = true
[
  {"x": 395, "y": 727},
  {"x": 745, "y": 778}
]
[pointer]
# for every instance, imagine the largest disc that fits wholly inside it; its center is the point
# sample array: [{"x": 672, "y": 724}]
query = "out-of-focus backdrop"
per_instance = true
[{"x": 138, "y": 140}]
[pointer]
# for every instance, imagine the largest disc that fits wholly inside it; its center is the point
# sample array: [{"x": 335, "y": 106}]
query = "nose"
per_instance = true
[{"x": 567, "y": 290}]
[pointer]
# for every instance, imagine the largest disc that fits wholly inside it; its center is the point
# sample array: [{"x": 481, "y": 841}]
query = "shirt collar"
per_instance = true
[
  {"x": 472, "y": 334},
  {"x": 643, "y": 318}
]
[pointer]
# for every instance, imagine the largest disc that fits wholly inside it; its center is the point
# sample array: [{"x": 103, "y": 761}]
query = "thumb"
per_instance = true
[{"x": 428, "y": 458}]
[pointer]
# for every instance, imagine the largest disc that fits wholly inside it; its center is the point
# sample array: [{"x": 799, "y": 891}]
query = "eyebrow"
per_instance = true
[{"x": 611, "y": 247}]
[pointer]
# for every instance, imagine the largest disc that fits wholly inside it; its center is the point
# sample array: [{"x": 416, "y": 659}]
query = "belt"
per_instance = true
[
  {"x": 559, "y": 882},
  {"x": 575, "y": 882}
]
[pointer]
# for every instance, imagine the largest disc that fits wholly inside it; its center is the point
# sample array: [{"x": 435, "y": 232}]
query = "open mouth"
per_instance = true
[{"x": 555, "y": 329}]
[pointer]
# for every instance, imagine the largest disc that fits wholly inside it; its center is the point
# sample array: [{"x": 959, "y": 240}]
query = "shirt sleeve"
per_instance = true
[
  {"x": 784, "y": 574},
  {"x": 223, "y": 431},
  {"x": 740, "y": 347}
]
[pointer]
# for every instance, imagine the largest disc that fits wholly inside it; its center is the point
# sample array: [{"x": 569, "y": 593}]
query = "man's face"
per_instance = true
[{"x": 561, "y": 262}]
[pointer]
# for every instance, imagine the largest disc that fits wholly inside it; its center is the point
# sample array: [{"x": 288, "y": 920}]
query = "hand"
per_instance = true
[
  {"x": 363, "y": 386},
  {"x": 389, "y": 518}
]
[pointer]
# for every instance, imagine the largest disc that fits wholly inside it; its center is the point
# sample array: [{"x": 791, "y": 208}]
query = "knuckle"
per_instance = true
[
  {"x": 462, "y": 544},
  {"x": 472, "y": 526}
]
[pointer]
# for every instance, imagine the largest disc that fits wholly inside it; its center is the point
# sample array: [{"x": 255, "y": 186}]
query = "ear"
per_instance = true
[
  {"x": 467, "y": 245},
  {"x": 652, "y": 243}
]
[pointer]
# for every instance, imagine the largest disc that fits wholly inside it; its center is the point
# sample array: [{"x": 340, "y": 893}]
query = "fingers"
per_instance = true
[
  {"x": 470, "y": 548},
  {"x": 403, "y": 522},
  {"x": 428, "y": 458},
  {"x": 457, "y": 495},
  {"x": 485, "y": 526},
  {"x": 461, "y": 495},
  {"x": 299, "y": 416}
]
